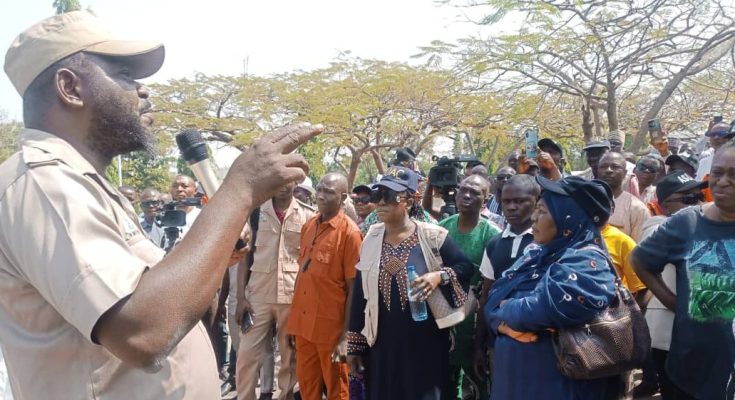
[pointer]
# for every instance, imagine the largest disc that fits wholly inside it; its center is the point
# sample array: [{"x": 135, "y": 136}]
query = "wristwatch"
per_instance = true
[{"x": 445, "y": 277}]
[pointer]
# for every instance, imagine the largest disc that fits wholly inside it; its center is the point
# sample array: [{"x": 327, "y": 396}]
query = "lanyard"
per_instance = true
[{"x": 313, "y": 242}]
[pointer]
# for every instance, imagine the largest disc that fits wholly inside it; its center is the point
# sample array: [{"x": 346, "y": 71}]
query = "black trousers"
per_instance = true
[{"x": 669, "y": 391}]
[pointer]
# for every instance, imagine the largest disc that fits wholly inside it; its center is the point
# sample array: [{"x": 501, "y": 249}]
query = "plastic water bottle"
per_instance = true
[{"x": 418, "y": 308}]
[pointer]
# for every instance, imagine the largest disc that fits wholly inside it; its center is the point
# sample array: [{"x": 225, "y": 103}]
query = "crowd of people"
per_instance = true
[{"x": 370, "y": 292}]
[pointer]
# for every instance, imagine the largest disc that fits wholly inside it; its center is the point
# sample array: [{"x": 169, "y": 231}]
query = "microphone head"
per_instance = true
[{"x": 192, "y": 146}]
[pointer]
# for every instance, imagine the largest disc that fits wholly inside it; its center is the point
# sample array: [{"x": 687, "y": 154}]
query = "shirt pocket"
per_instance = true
[
  {"x": 292, "y": 239},
  {"x": 324, "y": 253},
  {"x": 266, "y": 249}
]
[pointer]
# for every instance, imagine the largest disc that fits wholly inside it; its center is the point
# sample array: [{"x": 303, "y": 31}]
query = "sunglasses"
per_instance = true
[
  {"x": 150, "y": 203},
  {"x": 719, "y": 134},
  {"x": 364, "y": 199},
  {"x": 646, "y": 168},
  {"x": 387, "y": 195},
  {"x": 503, "y": 178},
  {"x": 688, "y": 199}
]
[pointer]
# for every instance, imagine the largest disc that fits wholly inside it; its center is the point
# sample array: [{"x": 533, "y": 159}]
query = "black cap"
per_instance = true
[
  {"x": 675, "y": 182},
  {"x": 405, "y": 154},
  {"x": 595, "y": 197},
  {"x": 399, "y": 179},
  {"x": 686, "y": 159},
  {"x": 600, "y": 144},
  {"x": 546, "y": 142},
  {"x": 474, "y": 163},
  {"x": 361, "y": 188}
]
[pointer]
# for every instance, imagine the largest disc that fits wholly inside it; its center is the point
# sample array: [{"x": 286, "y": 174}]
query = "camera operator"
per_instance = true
[
  {"x": 183, "y": 187},
  {"x": 444, "y": 177}
]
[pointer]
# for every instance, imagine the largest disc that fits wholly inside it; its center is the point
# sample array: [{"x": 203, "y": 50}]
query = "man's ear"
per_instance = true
[
  {"x": 344, "y": 197},
  {"x": 68, "y": 88}
]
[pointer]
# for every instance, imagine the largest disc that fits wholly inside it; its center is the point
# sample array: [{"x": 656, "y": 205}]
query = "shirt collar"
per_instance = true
[
  {"x": 59, "y": 148},
  {"x": 334, "y": 221},
  {"x": 508, "y": 233}
]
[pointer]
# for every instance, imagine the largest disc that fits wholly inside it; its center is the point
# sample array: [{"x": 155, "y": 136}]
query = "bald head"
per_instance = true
[
  {"x": 330, "y": 193},
  {"x": 149, "y": 194},
  {"x": 128, "y": 192},
  {"x": 479, "y": 182},
  {"x": 501, "y": 177},
  {"x": 480, "y": 170},
  {"x": 335, "y": 180}
]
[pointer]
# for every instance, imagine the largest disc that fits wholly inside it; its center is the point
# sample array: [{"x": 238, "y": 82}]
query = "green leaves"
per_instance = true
[
  {"x": 8, "y": 137},
  {"x": 65, "y": 6}
]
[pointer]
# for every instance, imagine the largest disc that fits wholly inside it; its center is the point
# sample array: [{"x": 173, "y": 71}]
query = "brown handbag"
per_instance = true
[{"x": 615, "y": 341}]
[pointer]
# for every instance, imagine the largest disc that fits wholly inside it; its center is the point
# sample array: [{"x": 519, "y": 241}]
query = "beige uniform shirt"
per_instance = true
[
  {"x": 70, "y": 248},
  {"x": 275, "y": 261},
  {"x": 629, "y": 215}
]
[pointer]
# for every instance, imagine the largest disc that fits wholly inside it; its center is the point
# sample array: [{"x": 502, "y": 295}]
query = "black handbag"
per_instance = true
[{"x": 615, "y": 341}]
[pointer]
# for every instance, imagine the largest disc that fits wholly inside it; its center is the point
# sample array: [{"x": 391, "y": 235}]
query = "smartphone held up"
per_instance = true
[
  {"x": 531, "y": 142},
  {"x": 654, "y": 128}
]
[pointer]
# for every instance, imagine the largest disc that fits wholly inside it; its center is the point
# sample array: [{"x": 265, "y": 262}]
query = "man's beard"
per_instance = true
[{"x": 115, "y": 131}]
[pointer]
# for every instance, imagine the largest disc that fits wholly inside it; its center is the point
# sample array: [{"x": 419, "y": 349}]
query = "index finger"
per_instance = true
[{"x": 287, "y": 139}]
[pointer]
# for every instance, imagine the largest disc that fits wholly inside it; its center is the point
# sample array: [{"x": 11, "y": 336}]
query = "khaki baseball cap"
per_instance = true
[{"x": 55, "y": 38}]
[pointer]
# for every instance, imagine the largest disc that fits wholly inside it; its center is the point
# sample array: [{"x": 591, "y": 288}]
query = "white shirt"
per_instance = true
[
  {"x": 5, "y": 392},
  {"x": 486, "y": 267},
  {"x": 705, "y": 165},
  {"x": 659, "y": 318},
  {"x": 648, "y": 194}
]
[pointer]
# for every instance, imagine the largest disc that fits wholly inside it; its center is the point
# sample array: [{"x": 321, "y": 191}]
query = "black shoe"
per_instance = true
[
  {"x": 266, "y": 396},
  {"x": 645, "y": 389},
  {"x": 228, "y": 386}
]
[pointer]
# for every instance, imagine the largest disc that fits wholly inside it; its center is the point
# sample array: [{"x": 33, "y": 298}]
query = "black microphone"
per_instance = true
[{"x": 194, "y": 150}]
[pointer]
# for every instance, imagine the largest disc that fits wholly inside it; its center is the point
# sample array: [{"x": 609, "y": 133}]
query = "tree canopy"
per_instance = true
[{"x": 600, "y": 53}]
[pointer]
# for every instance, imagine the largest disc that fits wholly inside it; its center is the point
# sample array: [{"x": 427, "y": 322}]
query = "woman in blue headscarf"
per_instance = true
[{"x": 564, "y": 281}]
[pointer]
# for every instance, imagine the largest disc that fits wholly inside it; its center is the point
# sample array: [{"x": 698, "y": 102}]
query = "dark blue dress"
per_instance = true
[
  {"x": 409, "y": 360},
  {"x": 563, "y": 284}
]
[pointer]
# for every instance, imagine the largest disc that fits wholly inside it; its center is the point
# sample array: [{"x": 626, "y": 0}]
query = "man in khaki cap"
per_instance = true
[{"x": 88, "y": 307}]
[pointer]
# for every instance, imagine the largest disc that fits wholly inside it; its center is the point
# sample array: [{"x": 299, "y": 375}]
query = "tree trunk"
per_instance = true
[
  {"x": 379, "y": 165},
  {"x": 719, "y": 44},
  {"x": 586, "y": 121},
  {"x": 598, "y": 123},
  {"x": 612, "y": 108},
  {"x": 490, "y": 157},
  {"x": 658, "y": 104},
  {"x": 470, "y": 144},
  {"x": 354, "y": 165}
]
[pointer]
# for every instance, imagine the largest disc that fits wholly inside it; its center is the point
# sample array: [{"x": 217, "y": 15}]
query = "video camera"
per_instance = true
[
  {"x": 445, "y": 175},
  {"x": 170, "y": 218}
]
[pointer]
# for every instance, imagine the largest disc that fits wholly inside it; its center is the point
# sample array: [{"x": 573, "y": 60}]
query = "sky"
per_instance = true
[{"x": 274, "y": 36}]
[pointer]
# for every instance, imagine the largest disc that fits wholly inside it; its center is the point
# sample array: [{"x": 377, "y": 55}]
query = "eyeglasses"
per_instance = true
[
  {"x": 646, "y": 168},
  {"x": 151, "y": 203},
  {"x": 503, "y": 178},
  {"x": 688, "y": 199},
  {"x": 361, "y": 199},
  {"x": 387, "y": 195}
]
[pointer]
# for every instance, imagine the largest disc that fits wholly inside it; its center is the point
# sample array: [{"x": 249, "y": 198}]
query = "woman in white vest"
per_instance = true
[{"x": 405, "y": 358}]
